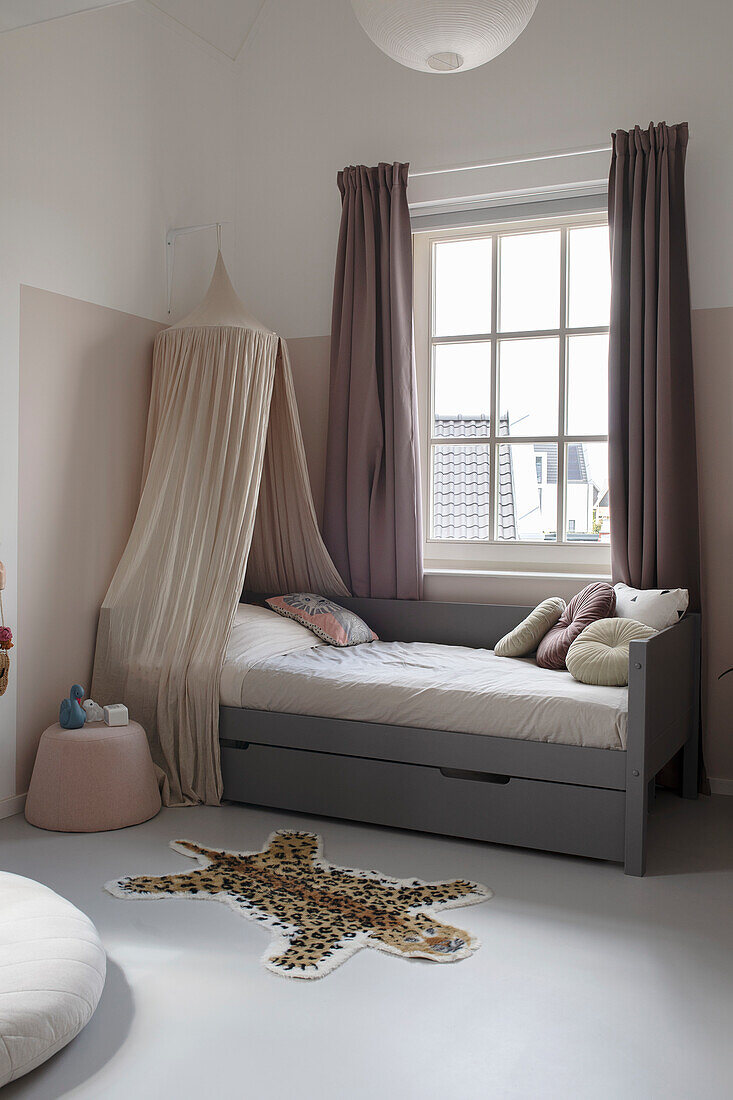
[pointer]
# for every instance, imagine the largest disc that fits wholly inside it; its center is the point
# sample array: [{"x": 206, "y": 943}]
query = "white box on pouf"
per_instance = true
[{"x": 116, "y": 714}]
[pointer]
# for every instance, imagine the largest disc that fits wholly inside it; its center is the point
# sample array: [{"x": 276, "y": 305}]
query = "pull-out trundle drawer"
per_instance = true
[{"x": 532, "y": 813}]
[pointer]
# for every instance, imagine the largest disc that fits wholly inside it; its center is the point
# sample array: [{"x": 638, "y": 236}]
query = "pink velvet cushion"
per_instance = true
[
  {"x": 326, "y": 619},
  {"x": 596, "y": 601}
]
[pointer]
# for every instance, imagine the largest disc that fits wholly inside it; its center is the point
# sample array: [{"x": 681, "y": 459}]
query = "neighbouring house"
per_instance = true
[{"x": 527, "y": 487}]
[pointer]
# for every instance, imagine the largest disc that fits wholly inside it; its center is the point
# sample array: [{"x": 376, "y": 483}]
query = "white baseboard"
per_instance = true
[
  {"x": 10, "y": 806},
  {"x": 721, "y": 786}
]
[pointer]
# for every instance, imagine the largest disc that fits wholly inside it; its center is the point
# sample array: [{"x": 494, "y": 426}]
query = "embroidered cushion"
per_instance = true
[
  {"x": 326, "y": 619},
  {"x": 657, "y": 607},
  {"x": 596, "y": 601},
  {"x": 525, "y": 638},
  {"x": 600, "y": 654}
]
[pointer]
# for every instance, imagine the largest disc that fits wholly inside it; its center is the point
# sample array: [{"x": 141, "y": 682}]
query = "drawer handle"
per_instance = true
[
  {"x": 226, "y": 743},
  {"x": 480, "y": 777}
]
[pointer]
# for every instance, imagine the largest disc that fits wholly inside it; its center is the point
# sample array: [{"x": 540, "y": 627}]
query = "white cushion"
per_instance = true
[
  {"x": 525, "y": 638},
  {"x": 657, "y": 607},
  {"x": 600, "y": 654},
  {"x": 52, "y": 970}
]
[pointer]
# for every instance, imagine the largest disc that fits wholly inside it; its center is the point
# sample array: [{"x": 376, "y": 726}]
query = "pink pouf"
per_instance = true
[{"x": 92, "y": 779}]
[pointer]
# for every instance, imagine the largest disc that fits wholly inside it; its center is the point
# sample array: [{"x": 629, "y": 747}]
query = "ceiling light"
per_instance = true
[{"x": 443, "y": 36}]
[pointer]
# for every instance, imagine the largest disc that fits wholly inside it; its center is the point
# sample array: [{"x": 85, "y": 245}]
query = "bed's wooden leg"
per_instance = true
[{"x": 637, "y": 804}]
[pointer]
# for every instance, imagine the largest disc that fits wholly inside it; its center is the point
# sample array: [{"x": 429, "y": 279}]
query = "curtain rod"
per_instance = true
[{"x": 510, "y": 160}]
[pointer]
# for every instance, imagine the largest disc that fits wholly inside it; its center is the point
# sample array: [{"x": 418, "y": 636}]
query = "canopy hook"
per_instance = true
[{"x": 170, "y": 242}]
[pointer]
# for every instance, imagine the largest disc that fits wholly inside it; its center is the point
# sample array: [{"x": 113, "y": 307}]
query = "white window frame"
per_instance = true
[{"x": 491, "y": 554}]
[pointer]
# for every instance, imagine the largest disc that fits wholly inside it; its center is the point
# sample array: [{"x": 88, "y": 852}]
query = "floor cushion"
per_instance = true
[
  {"x": 596, "y": 601},
  {"x": 657, "y": 607},
  {"x": 600, "y": 654},
  {"x": 52, "y": 970},
  {"x": 525, "y": 638}
]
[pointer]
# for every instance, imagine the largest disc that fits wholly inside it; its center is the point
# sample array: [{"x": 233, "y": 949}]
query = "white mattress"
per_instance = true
[{"x": 415, "y": 684}]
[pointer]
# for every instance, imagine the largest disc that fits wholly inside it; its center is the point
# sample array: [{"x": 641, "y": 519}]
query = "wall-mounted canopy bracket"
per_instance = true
[{"x": 170, "y": 248}]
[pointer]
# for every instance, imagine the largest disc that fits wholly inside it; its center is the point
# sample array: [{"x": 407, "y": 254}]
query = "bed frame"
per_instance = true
[{"x": 559, "y": 798}]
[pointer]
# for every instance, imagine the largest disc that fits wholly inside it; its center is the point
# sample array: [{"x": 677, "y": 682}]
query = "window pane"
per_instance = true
[
  {"x": 527, "y": 491},
  {"x": 461, "y": 491},
  {"x": 462, "y": 393},
  {"x": 588, "y": 385},
  {"x": 462, "y": 287},
  {"x": 588, "y": 517},
  {"x": 528, "y": 387},
  {"x": 530, "y": 281},
  {"x": 589, "y": 277}
]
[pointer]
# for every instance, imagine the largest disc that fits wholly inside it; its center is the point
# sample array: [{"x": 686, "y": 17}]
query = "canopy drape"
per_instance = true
[
  {"x": 287, "y": 551},
  {"x": 222, "y": 411}
]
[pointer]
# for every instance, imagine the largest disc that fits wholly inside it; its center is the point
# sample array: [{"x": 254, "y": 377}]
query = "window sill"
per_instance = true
[{"x": 524, "y": 574}]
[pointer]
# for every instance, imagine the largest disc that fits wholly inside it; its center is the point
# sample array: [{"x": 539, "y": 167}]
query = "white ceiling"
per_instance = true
[
  {"x": 223, "y": 24},
  {"x": 22, "y": 13}
]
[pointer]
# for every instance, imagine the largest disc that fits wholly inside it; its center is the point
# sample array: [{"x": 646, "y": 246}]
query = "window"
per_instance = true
[{"x": 511, "y": 325}]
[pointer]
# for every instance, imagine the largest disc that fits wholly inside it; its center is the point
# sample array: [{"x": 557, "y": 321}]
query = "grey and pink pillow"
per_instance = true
[
  {"x": 596, "y": 601},
  {"x": 327, "y": 620}
]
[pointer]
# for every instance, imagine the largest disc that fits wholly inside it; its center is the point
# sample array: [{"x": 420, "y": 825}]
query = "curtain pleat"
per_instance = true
[
  {"x": 372, "y": 520},
  {"x": 652, "y": 458},
  {"x": 652, "y": 449},
  {"x": 287, "y": 552}
]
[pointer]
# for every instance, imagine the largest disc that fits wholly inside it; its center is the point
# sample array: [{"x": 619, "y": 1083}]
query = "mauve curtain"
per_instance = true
[
  {"x": 372, "y": 522},
  {"x": 652, "y": 452}
]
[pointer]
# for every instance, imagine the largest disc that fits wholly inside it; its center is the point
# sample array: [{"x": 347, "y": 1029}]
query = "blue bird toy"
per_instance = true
[{"x": 71, "y": 713}]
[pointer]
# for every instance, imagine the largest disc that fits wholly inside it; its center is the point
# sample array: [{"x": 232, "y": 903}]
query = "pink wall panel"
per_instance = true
[
  {"x": 83, "y": 402},
  {"x": 84, "y": 391},
  {"x": 309, "y": 357},
  {"x": 712, "y": 331}
]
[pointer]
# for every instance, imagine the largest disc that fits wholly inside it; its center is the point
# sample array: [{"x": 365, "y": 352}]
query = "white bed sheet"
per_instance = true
[
  {"x": 416, "y": 684},
  {"x": 258, "y": 633}
]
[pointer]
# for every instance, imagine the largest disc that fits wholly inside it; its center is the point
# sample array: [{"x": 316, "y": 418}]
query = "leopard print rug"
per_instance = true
[{"x": 320, "y": 913}]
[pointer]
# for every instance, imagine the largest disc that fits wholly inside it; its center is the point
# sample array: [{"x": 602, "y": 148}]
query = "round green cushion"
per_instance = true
[
  {"x": 600, "y": 654},
  {"x": 525, "y": 638}
]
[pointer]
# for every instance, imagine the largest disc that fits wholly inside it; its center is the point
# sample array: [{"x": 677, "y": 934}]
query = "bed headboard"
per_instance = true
[{"x": 478, "y": 625}]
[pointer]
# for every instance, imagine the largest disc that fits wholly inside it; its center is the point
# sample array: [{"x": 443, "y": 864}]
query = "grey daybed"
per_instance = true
[{"x": 536, "y": 794}]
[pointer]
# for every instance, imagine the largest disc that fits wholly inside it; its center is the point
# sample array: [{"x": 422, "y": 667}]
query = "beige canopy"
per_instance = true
[{"x": 225, "y": 496}]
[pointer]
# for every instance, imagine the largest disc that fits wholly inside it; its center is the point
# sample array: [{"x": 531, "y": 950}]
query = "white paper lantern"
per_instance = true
[{"x": 443, "y": 36}]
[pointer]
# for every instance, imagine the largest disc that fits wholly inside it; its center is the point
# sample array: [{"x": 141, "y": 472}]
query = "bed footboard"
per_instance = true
[{"x": 664, "y": 717}]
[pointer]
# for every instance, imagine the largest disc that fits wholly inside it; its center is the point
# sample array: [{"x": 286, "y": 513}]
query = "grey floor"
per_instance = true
[{"x": 588, "y": 983}]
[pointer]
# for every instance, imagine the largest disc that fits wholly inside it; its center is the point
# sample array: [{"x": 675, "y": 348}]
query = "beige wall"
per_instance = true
[
  {"x": 84, "y": 391},
  {"x": 581, "y": 69},
  {"x": 713, "y": 347},
  {"x": 113, "y": 128},
  {"x": 310, "y": 362},
  {"x": 169, "y": 136}
]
